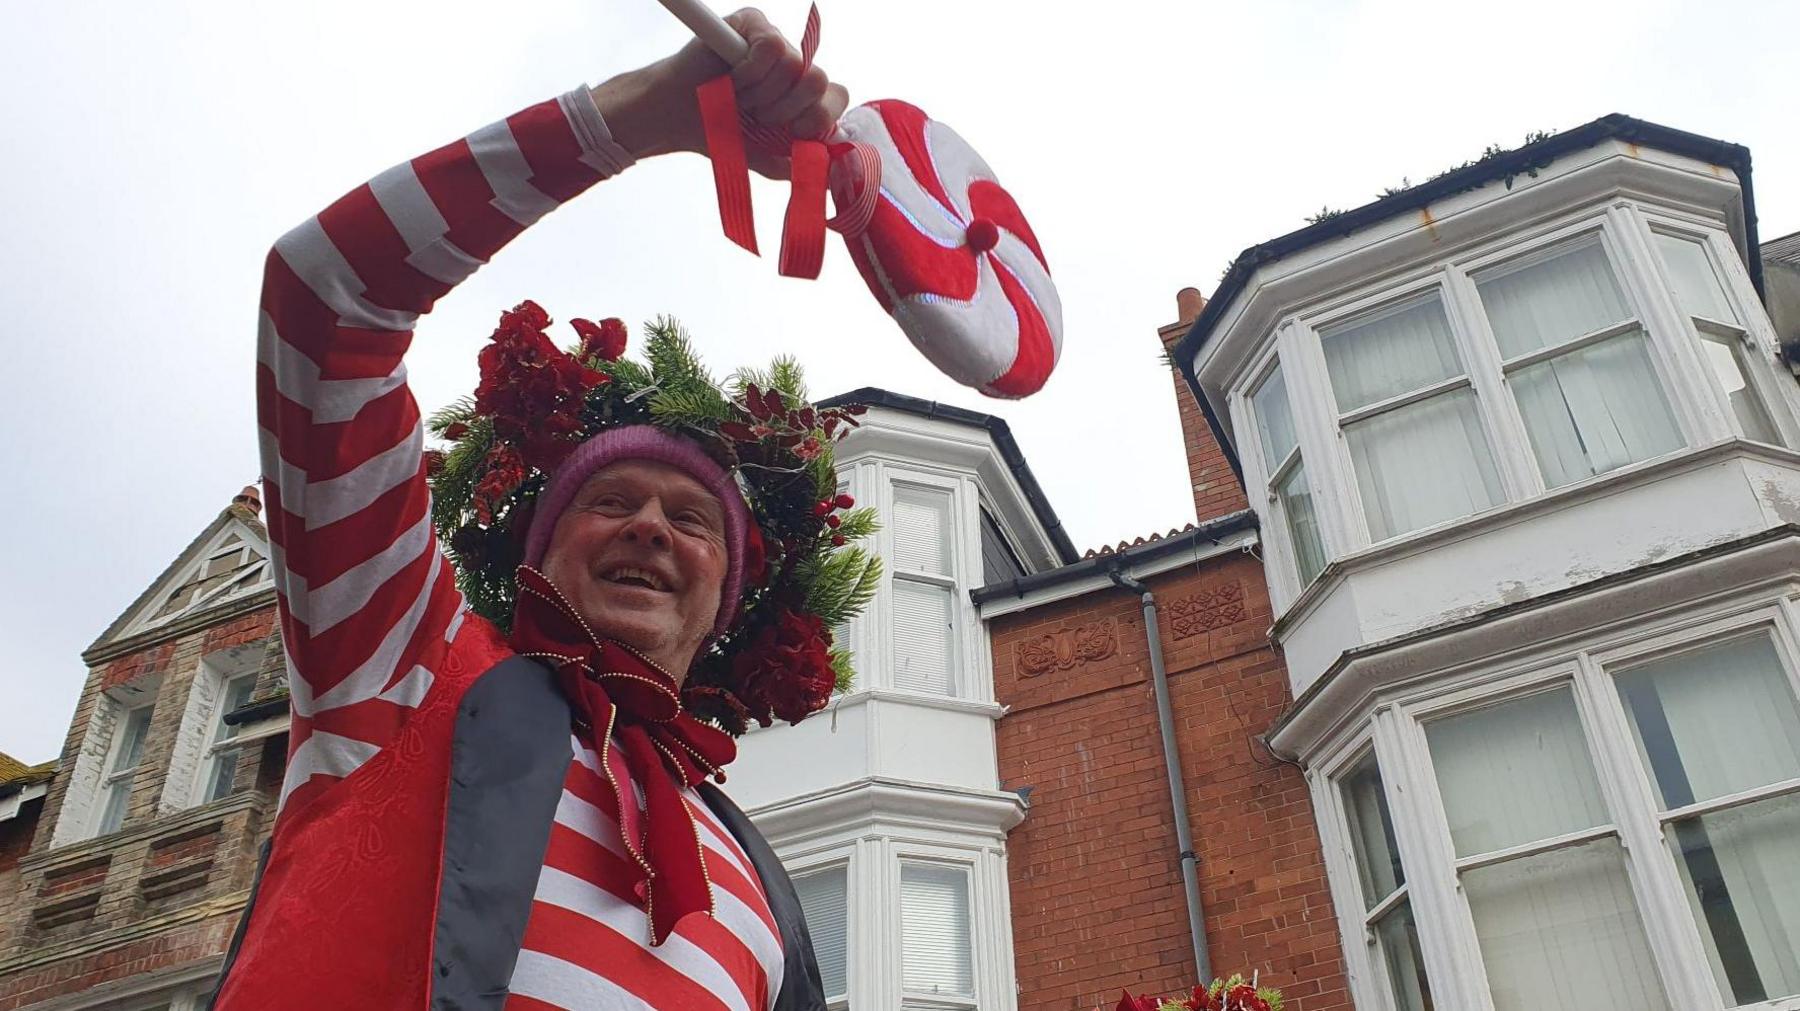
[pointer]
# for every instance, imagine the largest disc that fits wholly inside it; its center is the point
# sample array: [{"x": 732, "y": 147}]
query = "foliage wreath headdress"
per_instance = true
[{"x": 803, "y": 576}]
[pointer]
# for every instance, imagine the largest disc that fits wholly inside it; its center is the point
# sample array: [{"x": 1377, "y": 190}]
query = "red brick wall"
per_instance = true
[
  {"x": 180, "y": 945},
  {"x": 1096, "y": 884},
  {"x": 1217, "y": 491},
  {"x": 249, "y": 628},
  {"x": 154, "y": 660}
]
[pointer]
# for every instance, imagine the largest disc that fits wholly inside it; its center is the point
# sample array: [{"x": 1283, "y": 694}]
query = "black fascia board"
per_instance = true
[
  {"x": 1210, "y": 532},
  {"x": 996, "y": 428},
  {"x": 1513, "y": 163}
]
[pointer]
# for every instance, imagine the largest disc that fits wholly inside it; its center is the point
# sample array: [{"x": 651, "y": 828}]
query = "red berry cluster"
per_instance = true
[{"x": 828, "y": 508}]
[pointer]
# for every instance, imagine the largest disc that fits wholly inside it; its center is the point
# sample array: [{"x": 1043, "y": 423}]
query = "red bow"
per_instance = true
[
  {"x": 618, "y": 695},
  {"x": 811, "y": 164}
]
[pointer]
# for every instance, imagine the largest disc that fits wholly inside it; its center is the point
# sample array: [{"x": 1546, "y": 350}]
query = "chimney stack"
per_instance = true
[
  {"x": 1216, "y": 489},
  {"x": 250, "y": 498}
]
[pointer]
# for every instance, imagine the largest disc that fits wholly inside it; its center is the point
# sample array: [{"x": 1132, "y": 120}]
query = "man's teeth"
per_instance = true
[{"x": 628, "y": 574}]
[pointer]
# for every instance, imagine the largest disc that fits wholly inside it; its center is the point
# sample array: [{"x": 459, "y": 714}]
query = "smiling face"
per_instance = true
[{"x": 641, "y": 554}]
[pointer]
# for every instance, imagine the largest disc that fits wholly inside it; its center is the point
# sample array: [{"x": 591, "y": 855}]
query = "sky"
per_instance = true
[{"x": 153, "y": 152}]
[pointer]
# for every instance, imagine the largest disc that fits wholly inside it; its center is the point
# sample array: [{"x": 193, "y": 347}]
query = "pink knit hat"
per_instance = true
[{"x": 647, "y": 442}]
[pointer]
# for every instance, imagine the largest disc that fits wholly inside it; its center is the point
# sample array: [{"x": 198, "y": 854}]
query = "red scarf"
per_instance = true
[{"x": 619, "y": 695}]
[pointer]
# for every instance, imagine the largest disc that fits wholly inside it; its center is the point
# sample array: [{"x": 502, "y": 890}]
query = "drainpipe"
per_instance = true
[{"x": 1165, "y": 718}]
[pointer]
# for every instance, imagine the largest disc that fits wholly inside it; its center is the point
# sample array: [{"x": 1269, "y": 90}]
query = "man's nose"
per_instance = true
[{"x": 649, "y": 525}]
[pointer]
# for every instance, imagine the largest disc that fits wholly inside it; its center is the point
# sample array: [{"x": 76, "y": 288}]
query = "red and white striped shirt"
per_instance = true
[{"x": 369, "y": 605}]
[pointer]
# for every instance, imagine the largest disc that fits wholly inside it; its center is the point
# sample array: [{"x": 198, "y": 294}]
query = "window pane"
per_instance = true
[
  {"x": 825, "y": 903},
  {"x": 1553, "y": 300},
  {"x": 1515, "y": 773},
  {"x": 1295, "y": 494},
  {"x": 1725, "y": 356},
  {"x": 934, "y": 924},
  {"x": 1741, "y": 869},
  {"x": 1560, "y": 931},
  {"x": 1274, "y": 421},
  {"x": 1399, "y": 939},
  {"x": 1372, "y": 833},
  {"x": 921, "y": 530},
  {"x": 1595, "y": 409},
  {"x": 1697, "y": 288},
  {"x": 224, "y": 774},
  {"x": 131, "y": 746},
  {"x": 1422, "y": 464},
  {"x": 1714, "y": 722},
  {"x": 113, "y": 816},
  {"x": 922, "y": 635},
  {"x": 1398, "y": 351}
]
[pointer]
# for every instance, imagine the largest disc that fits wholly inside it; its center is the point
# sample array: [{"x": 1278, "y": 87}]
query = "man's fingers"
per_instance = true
[
  {"x": 806, "y": 92},
  {"x": 816, "y": 121},
  {"x": 776, "y": 83},
  {"x": 765, "y": 52}
]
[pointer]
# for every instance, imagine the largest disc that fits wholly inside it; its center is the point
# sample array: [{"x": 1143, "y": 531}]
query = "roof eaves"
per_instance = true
[
  {"x": 1210, "y": 532},
  {"x": 997, "y": 429}
]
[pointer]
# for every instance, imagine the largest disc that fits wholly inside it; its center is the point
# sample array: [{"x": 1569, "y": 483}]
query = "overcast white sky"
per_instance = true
[{"x": 154, "y": 151}]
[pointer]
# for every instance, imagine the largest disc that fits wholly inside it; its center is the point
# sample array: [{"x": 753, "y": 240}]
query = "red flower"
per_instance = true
[
  {"x": 1129, "y": 1003},
  {"x": 604, "y": 340},
  {"x": 1243, "y": 997},
  {"x": 455, "y": 430},
  {"x": 1202, "y": 1001},
  {"x": 505, "y": 472},
  {"x": 786, "y": 669},
  {"x": 533, "y": 390}
]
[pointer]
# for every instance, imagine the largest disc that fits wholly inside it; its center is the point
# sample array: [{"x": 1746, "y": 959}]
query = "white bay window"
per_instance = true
[
  {"x": 1290, "y": 491},
  {"x": 825, "y": 901},
  {"x": 1505, "y": 372},
  {"x": 1724, "y": 343},
  {"x": 936, "y": 950},
  {"x": 1391, "y": 930},
  {"x": 1539, "y": 859},
  {"x": 1618, "y": 829},
  {"x": 1408, "y": 414},
  {"x": 1719, "y": 732},
  {"x": 924, "y": 597},
  {"x": 1578, "y": 363}
]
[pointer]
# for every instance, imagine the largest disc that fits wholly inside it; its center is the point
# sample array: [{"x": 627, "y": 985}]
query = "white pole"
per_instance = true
[{"x": 711, "y": 29}]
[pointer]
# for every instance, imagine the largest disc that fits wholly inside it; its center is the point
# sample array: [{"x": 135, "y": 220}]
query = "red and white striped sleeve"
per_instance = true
[{"x": 368, "y": 602}]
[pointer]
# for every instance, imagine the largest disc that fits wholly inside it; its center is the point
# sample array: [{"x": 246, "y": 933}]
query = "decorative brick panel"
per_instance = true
[{"x": 1096, "y": 885}]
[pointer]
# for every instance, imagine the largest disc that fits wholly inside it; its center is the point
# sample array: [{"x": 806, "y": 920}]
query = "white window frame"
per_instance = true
[
  {"x": 830, "y": 860},
  {"x": 1758, "y": 351},
  {"x": 110, "y": 775},
  {"x": 223, "y": 737},
  {"x": 1700, "y": 411},
  {"x": 1285, "y": 554},
  {"x": 908, "y": 1000},
  {"x": 1395, "y": 729},
  {"x": 1370, "y": 984},
  {"x": 956, "y": 553}
]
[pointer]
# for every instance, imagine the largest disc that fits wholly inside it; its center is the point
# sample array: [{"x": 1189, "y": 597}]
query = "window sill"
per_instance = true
[
  {"x": 945, "y": 703},
  {"x": 1476, "y": 524}
]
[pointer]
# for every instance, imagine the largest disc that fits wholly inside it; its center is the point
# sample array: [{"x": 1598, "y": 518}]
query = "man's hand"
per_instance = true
[{"x": 653, "y": 111}]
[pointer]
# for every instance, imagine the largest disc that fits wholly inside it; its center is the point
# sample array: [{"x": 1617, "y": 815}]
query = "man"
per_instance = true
[{"x": 495, "y": 794}]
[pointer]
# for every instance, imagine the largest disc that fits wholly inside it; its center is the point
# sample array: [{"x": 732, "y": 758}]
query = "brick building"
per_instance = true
[
  {"x": 1098, "y": 895},
  {"x": 121, "y": 878}
]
